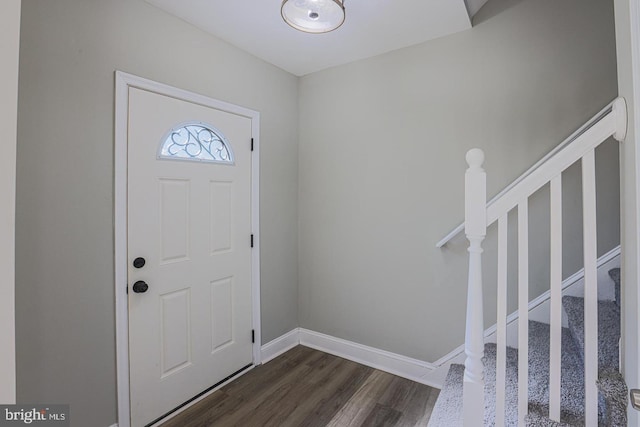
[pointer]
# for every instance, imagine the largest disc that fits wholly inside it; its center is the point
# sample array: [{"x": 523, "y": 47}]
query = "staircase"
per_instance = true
[
  {"x": 612, "y": 390},
  {"x": 553, "y": 375}
]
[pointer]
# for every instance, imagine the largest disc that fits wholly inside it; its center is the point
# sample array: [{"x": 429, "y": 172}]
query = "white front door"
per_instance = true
[{"x": 189, "y": 250}]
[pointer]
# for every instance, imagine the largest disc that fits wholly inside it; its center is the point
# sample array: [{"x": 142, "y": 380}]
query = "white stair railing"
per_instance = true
[{"x": 479, "y": 215}]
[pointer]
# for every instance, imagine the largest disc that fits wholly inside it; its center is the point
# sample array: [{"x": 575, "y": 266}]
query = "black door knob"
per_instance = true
[
  {"x": 139, "y": 262},
  {"x": 140, "y": 287}
]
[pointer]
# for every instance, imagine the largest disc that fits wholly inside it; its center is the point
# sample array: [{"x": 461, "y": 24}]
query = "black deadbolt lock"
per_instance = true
[{"x": 139, "y": 262}]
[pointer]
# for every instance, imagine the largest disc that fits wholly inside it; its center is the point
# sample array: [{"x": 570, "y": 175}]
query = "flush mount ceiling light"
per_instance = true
[{"x": 313, "y": 16}]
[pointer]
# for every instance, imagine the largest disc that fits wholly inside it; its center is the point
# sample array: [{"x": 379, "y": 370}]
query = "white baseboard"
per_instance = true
[
  {"x": 396, "y": 364},
  {"x": 280, "y": 345},
  {"x": 392, "y": 363}
]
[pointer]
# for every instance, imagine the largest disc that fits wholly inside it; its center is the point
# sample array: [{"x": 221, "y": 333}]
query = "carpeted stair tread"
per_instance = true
[
  {"x": 571, "y": 378},
  {"x": 614, "y": 391},
  {"x": 448, "y": 409},
  {"x": 614, "y": 273},
  {"x": 608, "y": 329},
  {"x": 612, "y": 398},
  {"x": 535, "y": 420},
  {"x": 511, "y": 380}
]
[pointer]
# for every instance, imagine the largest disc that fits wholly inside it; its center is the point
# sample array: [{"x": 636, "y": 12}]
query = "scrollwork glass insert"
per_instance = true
[{"x": 197, "y": 142}]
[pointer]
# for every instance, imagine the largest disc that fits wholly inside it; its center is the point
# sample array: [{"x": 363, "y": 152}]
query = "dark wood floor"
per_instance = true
[{"x": 306, "y": 387}]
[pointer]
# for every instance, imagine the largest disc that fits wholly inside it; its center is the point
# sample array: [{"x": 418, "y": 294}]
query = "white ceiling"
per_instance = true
[{"x": 371, "y": 27}]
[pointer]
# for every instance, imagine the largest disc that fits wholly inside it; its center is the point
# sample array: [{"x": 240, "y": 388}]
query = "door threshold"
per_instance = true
[{"x": 198, "y": 397}]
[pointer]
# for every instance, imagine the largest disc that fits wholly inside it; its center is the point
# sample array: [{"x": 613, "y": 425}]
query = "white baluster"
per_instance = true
[
  {"x": 590, "y": 288},
  {"x": 475, "y": 229},
  {"x": 501, "y": 354},
  {"x": 555, "y": 253},
  {"x": 523, "y": 311}
]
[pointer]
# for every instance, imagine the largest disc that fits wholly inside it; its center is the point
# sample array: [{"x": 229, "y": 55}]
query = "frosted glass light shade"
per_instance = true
[{"x": 313, "y": 16}]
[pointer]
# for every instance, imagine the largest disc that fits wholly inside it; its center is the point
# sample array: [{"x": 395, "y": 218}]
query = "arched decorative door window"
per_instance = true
[{"x": 198, "y": 142}]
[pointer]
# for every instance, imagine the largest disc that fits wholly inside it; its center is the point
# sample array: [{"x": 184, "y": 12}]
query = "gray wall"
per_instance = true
[
  {"x": 382, "y": 145},
  {"x": 65, "y": 294}
]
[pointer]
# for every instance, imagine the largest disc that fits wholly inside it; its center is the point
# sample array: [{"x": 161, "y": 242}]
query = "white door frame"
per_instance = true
[
  {"x": 10, "y": 48},
  {"x": 123, "y": 82}
]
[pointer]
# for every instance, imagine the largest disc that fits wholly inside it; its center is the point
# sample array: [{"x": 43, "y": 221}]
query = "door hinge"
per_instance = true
[
  {"x": 252, "y": 240},
  {"x": 253, "y": 336},
  {"x": 251, "y": 144}
]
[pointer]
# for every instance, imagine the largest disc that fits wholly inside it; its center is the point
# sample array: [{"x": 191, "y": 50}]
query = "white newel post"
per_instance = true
[{"x": 475, "y": 224}]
